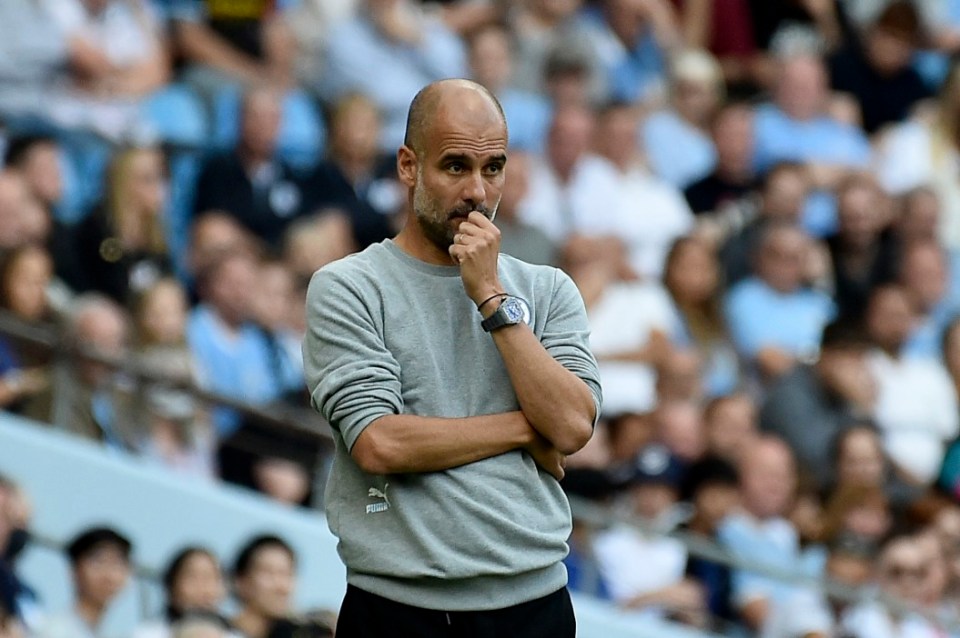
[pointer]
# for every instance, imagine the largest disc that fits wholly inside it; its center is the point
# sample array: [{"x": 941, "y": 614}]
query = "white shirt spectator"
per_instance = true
[
  {"x": 633, "y": 564},
  {"x": 916, "y": 410},
  {"x": 804, "y": 612},
  {"x": 585, "y": 205},
  {"x": 67, "y": 624},
  {"x": 621, "y": 321},
  {"x": 909, "y": 156}
]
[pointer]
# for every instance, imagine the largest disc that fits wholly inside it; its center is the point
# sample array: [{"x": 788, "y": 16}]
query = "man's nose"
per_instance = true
[{"x": 473, "y": 190}]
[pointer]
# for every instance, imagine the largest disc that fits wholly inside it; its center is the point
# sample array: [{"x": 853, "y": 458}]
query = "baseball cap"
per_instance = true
[{"x": 656, "y": 465}]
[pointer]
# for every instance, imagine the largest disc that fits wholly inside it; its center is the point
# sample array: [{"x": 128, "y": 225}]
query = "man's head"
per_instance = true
[
  {"x": 890, "y": 318},
  {"x": 893, "y": 38},
  {"x": 228, "y": 285},
  {"x": 14, "y": 197},
  {"x": 491, "y": 57},
  {"x": 655, "y": 484},
  {"x": 801, "y": 86},
  {"x": 730, "y": 423},
  {"x": 784, "y": 191},
  {"x": 859, "y": 203},
  {"x": 902, "y": 569},
  {"x": 680, "y": 429},
  {"x": 567, "y": 76},
  {"x": 732, "y": 131},
  {"x": 617, "y": 133},
  {"x": 780, "y": 257},
  {"x": 100, "y": 558},
  {"x": 768, "y": 477},
  {"x": 355, "y": 131},
  {"x": 260, "y": 122},
  {"x": 215, "y": 233},
  {"x": 264, "y": 575},
  {"x": 919, "y": 215},
  {"x": 843, "y": 348},
  {"x": 923, "y": 273},
  {"x": 711, "y": 485},
  {"x": 98, "y": 323},
  {"x": 36, "y": 158},
  {"x": 453, "y": 157},
  {"x": 569, "y": 138},
  {"x": 696, "y": 85}
]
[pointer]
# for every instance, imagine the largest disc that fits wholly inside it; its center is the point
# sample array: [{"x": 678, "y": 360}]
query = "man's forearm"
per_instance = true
[
  {"x": 400, "y": 443},
  {"x": 557, "y": 403}
]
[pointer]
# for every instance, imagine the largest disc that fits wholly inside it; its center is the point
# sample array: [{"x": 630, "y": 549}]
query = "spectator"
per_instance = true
[
  {"x": 774, "y": 320},
  {"x": 549, "y": 37},
  {"x": 251, "y": 182},
  {"x": 759, "y": 531},
  {"x": 572, "y": 191},
  {"x": 314, "y": 241},
  {"x": 647, "y": 571},
  {"x": 263, "y": 577},
  {"x": 193, "y": 584},
  {"x": 491, "y": 65},
  {"x": 25, "y": 276},
  {"x": 96, "y": 402},
  {"x": 213, "y": 234},
  {"x": 862, "y": 253},
  {"x": 226, "y": 45},
  {"x": 711, "y": 486},
  {"x": 33, "y": 51},
  {"x": 916, "y": 407},
  {"x": 692, "y": 278},
  {"x": 630, "y": 325},
  {"x": 650, "y": 212},
  {"x": 177, "y": 433},
  {"x": 812, "y": 405},
  {"x": 796, "y": 126},
  {"x": 388, "y": 52},
  {"x": 860, "y": 512},
  {"x": 680, "y": 429},
  {"x": 523, "y": 241},
  {"x": 631, "y": 41},
  {"x": 356, "y": 177},
  {"x": 19, "y": 606},
  {"x": 879, "y": 72},
  {"x": 725, "y": 27},
  {"x": 121, "y": 247},
  {"x": 739, "y": 227},
  {"x": 733, "y": 177},
  {"x": 273, "y": 313},
  {"x": 232, "y": 354},
  {"x": 678, "y": 377},
  {"x": 923, "y": 153},
  {"x": 199, "y": 626},
  {"x": 919, "y": 221},
  {"x": 925, "y": 277},
  {"x": 120, "y": 57},
  {"x": 900, "y": 572},
  {"x": 14, "y": 198},
  {"x": 861, "y": 460},
  {"x": 730, "y": 425},
  {"x": 696, "y": 91},
  {"x": 567, "y": 77},
  {"x": 100, "y": 560}
]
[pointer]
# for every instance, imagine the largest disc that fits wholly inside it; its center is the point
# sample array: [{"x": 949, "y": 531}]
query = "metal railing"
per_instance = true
[{"x": 293, "y": 420}]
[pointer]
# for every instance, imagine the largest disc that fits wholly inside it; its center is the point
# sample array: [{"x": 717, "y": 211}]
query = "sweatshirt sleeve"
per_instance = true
[
  {"x": 352, "y": 377},
  {"x": 566, "y": 335}
]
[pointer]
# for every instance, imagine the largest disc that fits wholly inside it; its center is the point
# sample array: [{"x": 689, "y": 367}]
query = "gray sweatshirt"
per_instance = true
[{"x": 390, "y": 334}]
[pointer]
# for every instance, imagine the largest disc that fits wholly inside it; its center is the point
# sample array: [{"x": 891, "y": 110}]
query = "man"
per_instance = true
[
  {"x": 825, "y": 398},
  {"x": 734, "y": 176},
  {"x": 252, "y": 182},
  {"x": 100, "y": 559},
  {"x": 449, "y": 440}
]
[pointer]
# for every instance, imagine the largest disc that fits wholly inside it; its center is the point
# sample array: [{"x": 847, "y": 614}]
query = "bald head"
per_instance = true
[{"x": 468, "y": 98}]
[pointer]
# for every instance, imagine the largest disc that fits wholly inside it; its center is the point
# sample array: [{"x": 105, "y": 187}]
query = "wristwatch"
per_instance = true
[{"x": 511, "y": 311}]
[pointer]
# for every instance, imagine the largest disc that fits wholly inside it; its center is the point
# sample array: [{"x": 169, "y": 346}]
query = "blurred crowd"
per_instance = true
[{"x": 758, "y": 200}]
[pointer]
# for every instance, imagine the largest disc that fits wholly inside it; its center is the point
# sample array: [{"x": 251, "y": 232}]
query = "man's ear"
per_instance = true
[{"x": 407, "y": 166}]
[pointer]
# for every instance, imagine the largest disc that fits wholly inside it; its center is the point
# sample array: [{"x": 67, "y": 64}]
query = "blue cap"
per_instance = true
[{"x": 655, "y": 464}]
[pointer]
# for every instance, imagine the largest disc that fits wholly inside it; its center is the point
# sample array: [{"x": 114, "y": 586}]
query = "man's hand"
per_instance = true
[
  {"x": 547, "y": 456},
  {"x": 476, "y": 247}
]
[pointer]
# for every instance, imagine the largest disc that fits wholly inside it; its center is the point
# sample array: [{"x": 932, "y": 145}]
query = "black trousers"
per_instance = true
[{"x": 366, "y": 615}]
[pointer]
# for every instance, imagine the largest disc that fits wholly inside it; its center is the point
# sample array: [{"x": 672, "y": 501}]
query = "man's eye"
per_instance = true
[
  {"x": 456, "y": 167},
  {"x": 494, "y": 169}
]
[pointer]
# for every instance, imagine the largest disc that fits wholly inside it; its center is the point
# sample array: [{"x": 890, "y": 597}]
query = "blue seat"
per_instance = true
[{"x": 177, "y": 116}]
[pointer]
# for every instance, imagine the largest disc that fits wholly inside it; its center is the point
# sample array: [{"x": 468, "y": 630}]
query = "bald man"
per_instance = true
[{"x": 456, "y": 380}]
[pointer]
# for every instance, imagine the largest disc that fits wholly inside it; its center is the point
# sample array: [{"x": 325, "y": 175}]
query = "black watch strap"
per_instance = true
[{"x": 497, "y": 320}]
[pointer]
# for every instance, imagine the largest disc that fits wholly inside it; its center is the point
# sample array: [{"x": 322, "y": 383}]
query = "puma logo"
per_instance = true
[{"x": 384, "y": 505}]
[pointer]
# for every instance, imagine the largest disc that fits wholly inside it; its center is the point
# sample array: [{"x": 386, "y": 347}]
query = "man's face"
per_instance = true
[
  {"x": 781, "y": 260},
  {"x": 101, "y": 575},
  {"x": 887, "y": 52},
  {"x": 861, "y": 459},
  {"x": 260, "y": 123},
  {"x": 42, "y": 172},
  {"x": 890, "y": 318},
  {"x": 268, "y": 584},
  {"x": 767, "y": 480},
  {"x": 460, "y": 169},
  {"x": 733, "y": 137}
]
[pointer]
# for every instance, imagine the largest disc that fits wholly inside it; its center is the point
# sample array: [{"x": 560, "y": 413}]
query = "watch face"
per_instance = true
[{"x": 516, "y": 310}]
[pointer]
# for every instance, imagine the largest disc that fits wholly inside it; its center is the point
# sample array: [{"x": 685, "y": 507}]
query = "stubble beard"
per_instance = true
[{"x": 433, "y": 220}]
